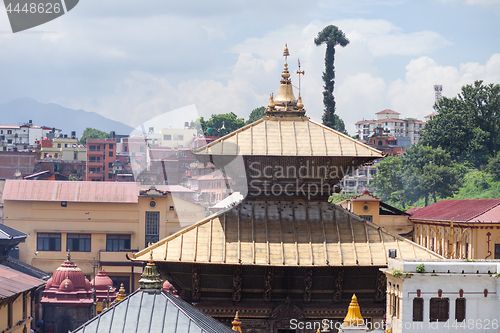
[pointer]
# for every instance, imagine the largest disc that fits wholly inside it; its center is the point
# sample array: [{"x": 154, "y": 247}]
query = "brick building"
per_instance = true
[{"x": 101, "y": 154}]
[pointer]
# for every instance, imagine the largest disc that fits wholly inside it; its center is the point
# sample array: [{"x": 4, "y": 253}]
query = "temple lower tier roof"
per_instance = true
[{"x": 284, "y": 233}]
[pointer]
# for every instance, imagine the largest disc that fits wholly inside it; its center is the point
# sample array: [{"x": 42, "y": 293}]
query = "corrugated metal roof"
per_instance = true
[
  {"x": 41, "y": 190},
  {"x": 148, "y": 311},
  {"x": 462, "y": 210},
  {"x": 284, "y": 234},
  {"x": 13, "y": 282},
  {"x": 287, "y": 136}
]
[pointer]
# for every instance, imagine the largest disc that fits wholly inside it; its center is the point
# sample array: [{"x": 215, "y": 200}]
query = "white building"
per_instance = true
[
  {"x": 175, "y": 137},
  {"x": 393, "y": 126},
  {"x": 448, "y": 296},
  {"x": 24, "y": 137}
]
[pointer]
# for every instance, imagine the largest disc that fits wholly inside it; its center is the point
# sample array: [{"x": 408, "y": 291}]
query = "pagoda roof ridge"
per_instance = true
[{"x": 304, "y": 137}]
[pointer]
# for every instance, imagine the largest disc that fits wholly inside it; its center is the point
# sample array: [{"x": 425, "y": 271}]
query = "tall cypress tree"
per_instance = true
[{"x": 331, "y": 36}]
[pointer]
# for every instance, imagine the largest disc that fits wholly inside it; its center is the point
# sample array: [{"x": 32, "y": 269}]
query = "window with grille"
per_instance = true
[
  {"x": 439, "y": 309},
  {"x": 117, "y": 242},
  {"x": 152, "y": 227},
  {"x": 78, "y": 242},
  {"x": 418, "y": 309},
  {"x": 460, "y": 309},
  {"x": 48, "y": 242},
  {"x": 497, "y": 251}
]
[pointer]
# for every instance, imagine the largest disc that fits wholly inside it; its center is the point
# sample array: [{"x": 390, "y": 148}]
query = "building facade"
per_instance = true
[
  {"x": 461, "y": 229},
  {"x": 101, "y": 154},
  {"x": 442, "y": 296},
  {"x": 98, "y": 222},
  {"x": 371, "y": 208},
  {"x": 392, "y": 125}
]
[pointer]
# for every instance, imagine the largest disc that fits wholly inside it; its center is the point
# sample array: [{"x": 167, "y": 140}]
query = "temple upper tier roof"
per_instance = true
[
  {"x": 284, "y": 233},
  {"x": 286, "y": 131},
  {"x": 287, "y": 136}
]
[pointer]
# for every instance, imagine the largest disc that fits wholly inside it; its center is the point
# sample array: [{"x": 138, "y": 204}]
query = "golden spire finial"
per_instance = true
[
  {"x": 271, "y": 101},
  {"x": 353, "y": 317},
  {"x": 285, "y": 52},
  {"x": 236, "y": 324},
  {"x": 151, "y": 261}
]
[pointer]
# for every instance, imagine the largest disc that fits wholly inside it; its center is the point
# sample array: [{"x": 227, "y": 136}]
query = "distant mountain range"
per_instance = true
[{"x": 20, "y": 111}]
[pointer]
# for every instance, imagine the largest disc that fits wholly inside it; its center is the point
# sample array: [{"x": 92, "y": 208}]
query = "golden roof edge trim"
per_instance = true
[{"x": 349, "y": 138}]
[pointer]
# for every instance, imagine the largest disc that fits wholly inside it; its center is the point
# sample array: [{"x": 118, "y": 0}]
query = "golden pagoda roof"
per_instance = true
[
  {"x": 285, "y": 233},
  {"x": 287, "y": 136}
]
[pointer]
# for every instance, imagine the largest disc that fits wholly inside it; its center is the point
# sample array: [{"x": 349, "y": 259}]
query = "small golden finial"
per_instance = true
[
  {"x": 353, "y": 317},
  {"x": 271, "y": 101},
  {"x": 68, "y": 256},
  {"x": 285, "y": 52},
  {"x": 236, "y": 324},
  {"x": 300, "y": 105},
  {"x": 151, "y": 261}
]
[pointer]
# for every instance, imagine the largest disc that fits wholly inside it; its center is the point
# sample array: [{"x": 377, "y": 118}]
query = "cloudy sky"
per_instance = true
[{"x": 132, "y": 60}]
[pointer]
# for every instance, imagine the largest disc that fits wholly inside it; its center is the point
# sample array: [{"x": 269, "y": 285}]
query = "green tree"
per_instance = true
[
  {"x": 331, "y": 36},
  {"x": 256, "y": 114},
  {"x": 423, "y": 172},
  {"x": 221, "y": 124},
  {"x": 388, "y": 183},
  {"x": 493, "y": 167},
  {"x": 467, "y": 126},
  {"x": 92, "y": 133}
]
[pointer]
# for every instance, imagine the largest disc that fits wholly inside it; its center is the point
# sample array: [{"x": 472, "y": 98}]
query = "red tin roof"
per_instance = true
[
  {"x": 463, "y": 210},
  {"x": 39, "y": 190},
  {"x": 13, "y": 282}
]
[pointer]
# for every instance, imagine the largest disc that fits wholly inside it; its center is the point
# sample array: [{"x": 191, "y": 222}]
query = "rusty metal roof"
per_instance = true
[
  {"x": 287, "y": 136},
  {"x": 42, "y": 190},
  {"x": 272, "y": 233},
  {"x": 13, "y": 282},
  {"x": 462, "y": 210}
]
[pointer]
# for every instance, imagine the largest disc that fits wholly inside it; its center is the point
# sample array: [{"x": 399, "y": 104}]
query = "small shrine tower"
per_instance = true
[{"x": 67, "y": 299}]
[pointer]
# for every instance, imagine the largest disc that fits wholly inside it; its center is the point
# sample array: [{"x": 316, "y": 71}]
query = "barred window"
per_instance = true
[{"x": 152, "y": 223}]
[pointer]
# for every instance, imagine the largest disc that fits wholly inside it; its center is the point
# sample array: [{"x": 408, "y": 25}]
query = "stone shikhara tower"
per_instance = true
[{"x": 283, "y": 252}]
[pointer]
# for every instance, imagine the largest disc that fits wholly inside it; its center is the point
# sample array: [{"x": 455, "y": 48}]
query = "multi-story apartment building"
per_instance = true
[
  {"x": 62, "y": 148},
  {"x": 24, "y": 137},
  {"x": 393, "y": 126},
  {"x": 101, "y": 154}
]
